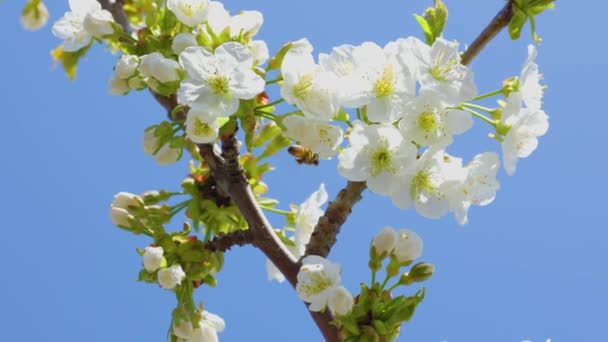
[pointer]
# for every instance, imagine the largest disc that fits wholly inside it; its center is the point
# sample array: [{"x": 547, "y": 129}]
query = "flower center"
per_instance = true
[
  {"x": 189, "y": 9},
  {"x": 201, "y": 128},
  {"x": 219, "y": 85},
  {"x": 318, "y": 282},
  {"x": 421, "y": 183},
  {"x": 382, "y": 160},
  {"x": 300, "y": 90},
  {"x": 427, "y": 121},
  {"x": 440, "y": 69},
  {"x": 384, "y": 86}
]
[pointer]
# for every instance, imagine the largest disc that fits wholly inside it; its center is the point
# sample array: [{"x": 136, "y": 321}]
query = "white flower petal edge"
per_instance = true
[
  {"x": 217, "y": 81},
  {"x": 317, "y": 280},
  {"x": 527, "y": 124},
  {"x": 190, "y": 12}
]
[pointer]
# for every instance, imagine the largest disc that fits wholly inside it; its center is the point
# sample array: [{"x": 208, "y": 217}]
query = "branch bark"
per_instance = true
[
  {"x": 325, "y": 234},
  {"x": 500, "y": 21},
  {"x": 224, "y": 242},
  {"x": 117, "y": 12}
]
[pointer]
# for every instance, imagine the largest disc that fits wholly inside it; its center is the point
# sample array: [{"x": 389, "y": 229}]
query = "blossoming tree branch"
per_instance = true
[{"x": 387, "y": 113}]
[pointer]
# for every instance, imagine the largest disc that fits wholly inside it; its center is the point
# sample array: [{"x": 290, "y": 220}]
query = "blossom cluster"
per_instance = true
[{"x": 411, "y": 100}]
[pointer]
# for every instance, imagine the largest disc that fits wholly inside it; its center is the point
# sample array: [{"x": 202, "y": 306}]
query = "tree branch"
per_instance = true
[
  {"x": 325, "y": 234},
  {"x": 224, "y": 242},
  {"x": 500, "y": 21},
  {"x": 117, "y": 12}
]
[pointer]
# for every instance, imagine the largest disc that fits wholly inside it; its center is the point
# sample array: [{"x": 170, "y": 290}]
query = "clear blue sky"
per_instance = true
[{"x": 530, "y": 266}]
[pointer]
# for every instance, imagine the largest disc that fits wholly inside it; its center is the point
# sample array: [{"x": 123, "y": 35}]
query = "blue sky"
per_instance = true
[{"x": 530, "y": 266}]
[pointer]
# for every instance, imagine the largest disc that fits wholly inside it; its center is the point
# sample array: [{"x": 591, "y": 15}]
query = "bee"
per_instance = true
[{"x": 303, "y": 155}]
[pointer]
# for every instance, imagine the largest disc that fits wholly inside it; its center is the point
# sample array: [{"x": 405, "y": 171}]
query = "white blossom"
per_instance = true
[
  {"x": 118, "y": 86},
  {"x": 529, "y": 82},
  {"x": 409, "y": 53},
  {"x": 183, "y": 329},
  {"x": 35, "y": 17},
  {"x": 126, "y": 67},
  {"x": 99, "y": 23},
  {"x": 119, "y": 209},
  {"x": 169, "y": 278},
  {"x": 423, "y": 184},
  {"x": 153, "y": 258},
  {"x": 190, "y": 12},
  {"x": 306, "y": 85},
  {"x": 217, "y": 81},
  {"x": 317, "y": 135},
  {"x": 341, "y": 301},
  {"x": 408, "y": 246},
  {"x": 71, "y": 27},
  {"x": 429, "y": 121},
  {"x": 378, "y": 82},
  {"x": 247, "y": 23},
  {"x": 210, "y": 325},
  {"x": 259, "y": 50},
  {"x": 126, "y": 200},
  {"x": 273, "y": 272},
  {"x": 219, "y": 18},
  {"x": 317, "y": 280},
  {"x": 527, "y": 124},
  {"x": 385, "y": 241},
  {"x": 156, "y": 66},
  {"x": 376, "y": 154},
  {"x": 120, "y": 217},
  {"x": 182, "y": 41},
  {"x": 150, "y": 142},
  {"x": 440, "y": 71},
  {"x": 340, "y": 61},
  {"x": 476, "y": 184},
  {"x": 167, "y": 155},
  {"x": 201, "y": 128},
  {"x": 307, "y": 217}
]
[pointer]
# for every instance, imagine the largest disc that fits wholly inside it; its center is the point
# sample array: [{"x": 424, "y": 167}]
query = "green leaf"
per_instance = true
[
  {"x": 69, "y": 60},
  {"x": 433, "y": 21},
  {"x": 526, "y": 10}
]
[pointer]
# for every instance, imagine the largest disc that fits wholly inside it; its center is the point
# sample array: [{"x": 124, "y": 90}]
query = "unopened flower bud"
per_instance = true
[
  {"x": 153, "y": 258},
  {"x": 341, "y": 301},
  {"x": 421, "y": 271},
  {"x": 384, "y": 242},
  {"x": 408, "y": 246},
  {"x": 34, "y": 17},
  {"x": 169, "y": 278}
]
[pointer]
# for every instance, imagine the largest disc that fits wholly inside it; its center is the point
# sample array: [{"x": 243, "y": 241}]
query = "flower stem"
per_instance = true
[
  {"x": 276, "y": 80},
  {"x": 478, "y": 107},
  {"x": 275, "y": 210},
  {"x": 271, "y": 104},
  {"x": 481, "y": 116},
  {"x": 485, "y": 96}
]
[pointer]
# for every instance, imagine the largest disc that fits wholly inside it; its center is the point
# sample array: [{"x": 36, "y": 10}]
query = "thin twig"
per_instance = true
[
  {"x": 500, "y": 21},
  {"x": 224, "y": 242}
]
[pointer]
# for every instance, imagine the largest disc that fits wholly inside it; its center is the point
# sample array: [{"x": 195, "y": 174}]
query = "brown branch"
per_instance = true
[
  {"x": 325, "y": 234},
  {"x": 500, "y": 21},
  {"x": 224, "y": 242},
  {"x": 117, "y": 12}
]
